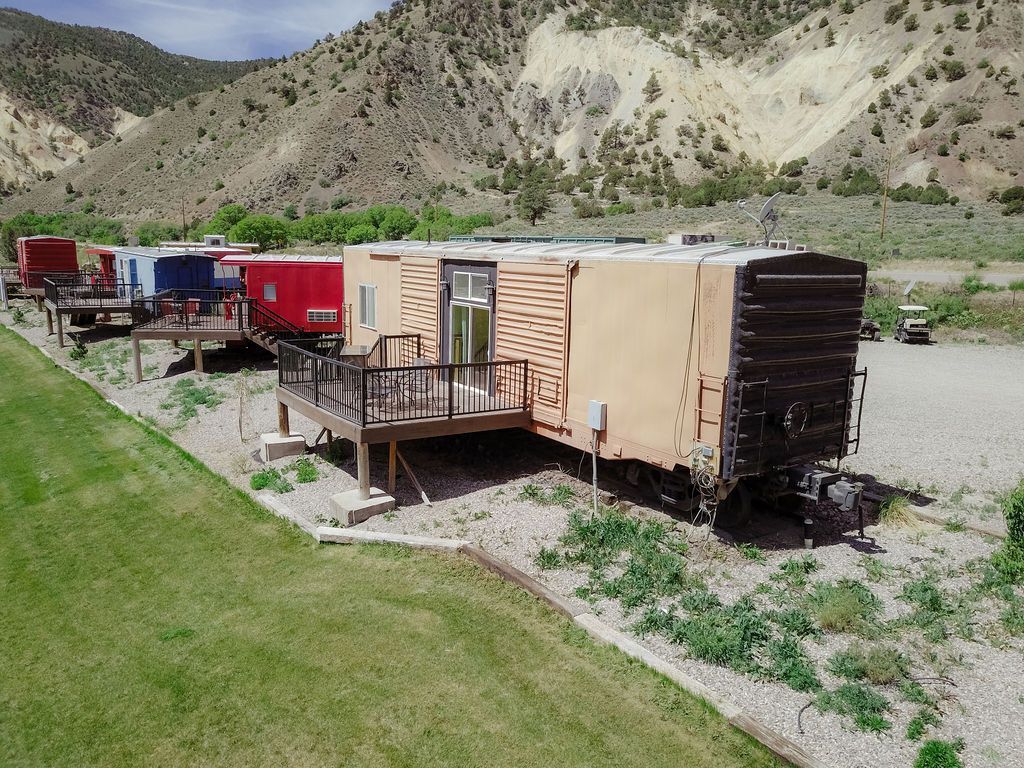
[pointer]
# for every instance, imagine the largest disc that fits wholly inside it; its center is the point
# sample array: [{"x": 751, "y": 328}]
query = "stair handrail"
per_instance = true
[{"x": 258, "y": 310}]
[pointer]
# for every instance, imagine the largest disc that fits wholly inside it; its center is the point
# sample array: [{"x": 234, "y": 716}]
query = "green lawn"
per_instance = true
[{"x": 152, "y": 615}]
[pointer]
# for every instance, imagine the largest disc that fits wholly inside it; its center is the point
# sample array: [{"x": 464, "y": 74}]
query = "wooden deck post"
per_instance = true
[
  {"x": 363, "y": 469},
  {"x": 392, "y": 466},
  {"x": 330, "y": 438},
  {"x": 283, "y": 428},
  {"x": 198, "y": 352},
  {"x": 60, "y": 330},
  {"x": 39, "y": 303},
  {"x": 49, "y": 322},
  {"x": 175, "y": 343},
  {"x": 137, "y": 357},
  {"x": 5, "y": 300}
]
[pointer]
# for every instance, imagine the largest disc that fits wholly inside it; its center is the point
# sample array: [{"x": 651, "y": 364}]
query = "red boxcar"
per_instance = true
[
  {"x": 105, "y": 256},
  {"x": 42, "y": 255},
  {"x": 307, "y": 291}
]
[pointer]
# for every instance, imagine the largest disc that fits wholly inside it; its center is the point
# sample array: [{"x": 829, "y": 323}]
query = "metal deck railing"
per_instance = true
[
  {"x": 191, "y": 310},
  {"x": 316, "y": 370},
  {"x": 90, "y": 290}
]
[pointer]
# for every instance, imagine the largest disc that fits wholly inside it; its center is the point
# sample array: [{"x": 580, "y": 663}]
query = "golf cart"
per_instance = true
[
  {"x": 870, "y": 330},
  {"x": 911, "y": 325}
]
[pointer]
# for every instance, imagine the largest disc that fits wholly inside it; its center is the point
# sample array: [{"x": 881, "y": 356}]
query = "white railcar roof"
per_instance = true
[{"x": 720, "y": 253}]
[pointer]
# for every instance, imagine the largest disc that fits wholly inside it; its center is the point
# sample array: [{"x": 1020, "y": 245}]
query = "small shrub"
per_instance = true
[
  {"x": 18, "y": 315},
  {"x": 79, "y": 350},
  {"x": 938, "y": 754},
  {"x": 1013, "y": 513}
]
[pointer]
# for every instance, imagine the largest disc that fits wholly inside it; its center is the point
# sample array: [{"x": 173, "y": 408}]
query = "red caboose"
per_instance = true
[
  {"x": 307, "y": 291},
  {"x": 42, "y": 256}
]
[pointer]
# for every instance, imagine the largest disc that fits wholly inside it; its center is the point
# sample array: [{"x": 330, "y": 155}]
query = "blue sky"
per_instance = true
[{"x": 229, "y": 29}]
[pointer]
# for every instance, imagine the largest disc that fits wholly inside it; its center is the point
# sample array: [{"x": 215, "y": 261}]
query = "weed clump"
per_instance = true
[
  {"x": 880, "y": 665},
  {"x": 939, "y": 754},
  {"x": 305, "y": 470},
  {"x": 186, "y": 396},
  {"x": 844, "y": 606},
  {"x": 547, "y": 558},
  {"x": 563, "y": 494},
  {"x": 272, "y": 479},
  {"x": 865, "y": 705}
]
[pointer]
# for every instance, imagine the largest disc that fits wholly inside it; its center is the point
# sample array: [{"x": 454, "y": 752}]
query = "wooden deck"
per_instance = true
[
  {"x": 406, "y": 424},
  {"x": 185, "y": 326}
]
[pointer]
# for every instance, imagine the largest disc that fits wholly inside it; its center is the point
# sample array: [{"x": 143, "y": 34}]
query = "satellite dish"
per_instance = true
[
  {"x": 769, "y": 206},
  {"x": 741, "y": 203},
  {"x": 909, "y": 288}
]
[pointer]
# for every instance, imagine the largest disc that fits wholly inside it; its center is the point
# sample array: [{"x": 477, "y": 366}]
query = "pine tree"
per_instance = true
[
  {"x": 533, "y": 200},
  {"x": 830, "y": 38}
]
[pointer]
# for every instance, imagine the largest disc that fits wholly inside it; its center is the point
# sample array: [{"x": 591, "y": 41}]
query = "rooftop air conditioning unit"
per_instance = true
[{"x": 216, "y": 241}]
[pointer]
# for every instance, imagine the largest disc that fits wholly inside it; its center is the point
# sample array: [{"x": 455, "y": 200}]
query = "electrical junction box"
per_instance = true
[{"x": 597, "y": 415}]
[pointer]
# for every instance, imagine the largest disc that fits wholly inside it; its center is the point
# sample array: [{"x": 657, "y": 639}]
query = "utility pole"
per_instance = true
[
  {"x": 184, "y": 228},
  {"x": 885, "y": 193}
]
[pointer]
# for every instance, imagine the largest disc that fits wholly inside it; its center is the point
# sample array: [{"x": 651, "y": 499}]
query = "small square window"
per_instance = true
[
  {"x": 270, "y": 291},
  {"x": 460, "y": 288}
]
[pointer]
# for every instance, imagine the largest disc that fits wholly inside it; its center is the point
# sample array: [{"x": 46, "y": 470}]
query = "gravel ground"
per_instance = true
[
  {"x": 946, "y": 421},
  {"x": 915, "y": 437}
]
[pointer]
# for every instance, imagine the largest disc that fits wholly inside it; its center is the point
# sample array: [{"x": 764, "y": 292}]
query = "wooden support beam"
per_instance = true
[
  {"x": 49, "y": 322},
  {"x": 330, "y": 438},
  {"x": 60, "y": 330},
  {"x": 175, "y": 343},
  {"x": 363, "y": 469},
  {"x": 198, "y": 353},
  {"x": 39, "y": 303},
  {"x": 137, "y": 357},
  {"x": 392, "y": 466},
  {"x": 5, "y": 300},
  {"x": 283, "y": 427},
  {"x": 412, "y": 478}
]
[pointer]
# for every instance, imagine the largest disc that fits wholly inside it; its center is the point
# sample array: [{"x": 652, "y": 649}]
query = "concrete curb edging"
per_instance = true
[
  {"x": 775, "y": 742},
  {"x": 330, "y": 535},
  {"x": 927, "y": 517}
]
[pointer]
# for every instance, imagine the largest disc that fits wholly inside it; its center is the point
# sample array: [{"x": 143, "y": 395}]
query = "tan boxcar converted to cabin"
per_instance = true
[{"x": 737, "y": 362}]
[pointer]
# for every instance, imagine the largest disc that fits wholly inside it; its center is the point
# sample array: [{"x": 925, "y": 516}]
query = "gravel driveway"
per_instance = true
[{"x": 943, "y": 416}]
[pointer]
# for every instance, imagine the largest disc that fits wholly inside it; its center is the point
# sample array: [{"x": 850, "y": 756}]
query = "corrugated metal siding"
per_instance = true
[
  {"x": 531, "y": 310},
  {"x": 419, "y": 301}
]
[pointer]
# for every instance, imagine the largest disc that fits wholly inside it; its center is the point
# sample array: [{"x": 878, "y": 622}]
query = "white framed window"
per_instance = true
[
  {"x": 368, "y": 305},
  {"x": 321, "y": 315},
  {"x": 469, "y": 286},
  {"x": 270, "y": 291}
]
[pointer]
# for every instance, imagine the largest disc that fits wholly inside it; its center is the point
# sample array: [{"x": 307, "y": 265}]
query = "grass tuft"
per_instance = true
[
  {"x": 895, "y": 512},
  {"x": 845, "y": 605}
]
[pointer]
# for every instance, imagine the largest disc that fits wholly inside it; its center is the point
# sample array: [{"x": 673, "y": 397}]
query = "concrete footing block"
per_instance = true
[
  {"x": 273, "y": 446},
  {"x": 349, "y": 507}
]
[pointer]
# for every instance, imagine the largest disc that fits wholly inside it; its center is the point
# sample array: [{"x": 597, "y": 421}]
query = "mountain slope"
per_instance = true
[
  {"x": 447, "y": 91},
  {"x": 66, "y": 88}
]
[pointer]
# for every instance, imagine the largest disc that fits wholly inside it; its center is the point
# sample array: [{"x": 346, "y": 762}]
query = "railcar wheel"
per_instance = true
[{"x": 734, "y": 510}]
